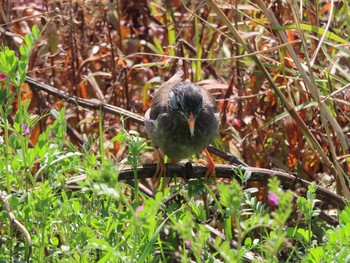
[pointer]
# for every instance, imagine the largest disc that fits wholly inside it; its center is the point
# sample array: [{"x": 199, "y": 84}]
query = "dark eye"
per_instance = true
[{"x": 178, "y": 105}]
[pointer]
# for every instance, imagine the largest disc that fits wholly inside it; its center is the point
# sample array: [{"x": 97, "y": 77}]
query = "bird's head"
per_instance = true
[{"x": 186, "y": 98}]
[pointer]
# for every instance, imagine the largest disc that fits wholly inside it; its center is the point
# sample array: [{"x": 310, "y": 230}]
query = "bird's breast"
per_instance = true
[{"x": 174, "y": 137}]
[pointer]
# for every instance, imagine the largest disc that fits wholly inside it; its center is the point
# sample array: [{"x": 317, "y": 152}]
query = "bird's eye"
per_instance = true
[{"x": 178, "y": 105}]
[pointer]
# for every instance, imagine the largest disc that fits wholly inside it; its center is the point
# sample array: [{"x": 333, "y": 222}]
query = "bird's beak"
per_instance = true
[{"x": 191, "y": 121}]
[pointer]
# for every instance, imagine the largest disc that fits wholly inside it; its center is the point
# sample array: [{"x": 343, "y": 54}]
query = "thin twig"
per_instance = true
[{"x": 92, "y": 104}]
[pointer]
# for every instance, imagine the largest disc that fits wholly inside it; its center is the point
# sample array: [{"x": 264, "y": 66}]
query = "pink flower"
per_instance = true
[
  {"x": 188, "y": 244},
  {"x": 26, "y": 130},
  {"x": 2, "y": 76},
  {"x": 139, "y": 208},
  {"x": 273, "y": 200}
]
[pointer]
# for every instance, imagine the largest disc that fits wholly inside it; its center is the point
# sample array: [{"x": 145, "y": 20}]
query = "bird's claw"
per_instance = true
[
  {"x": 159, "y": 178},
  {"x": 210, "y": 165}
]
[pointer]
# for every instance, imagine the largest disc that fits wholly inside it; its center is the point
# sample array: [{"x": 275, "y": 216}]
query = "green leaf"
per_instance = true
[
  {"x": 171, "y": 34},
  {"x": 290, "y": 231},
  {"x": 23, "y": 51},
  {"x": 147, "y": 250},
  {"x": 8, "y": 61},
  {"x": 35, "y": 32},
  {"x": 106, "y": 258},
  {"x": 231, "y": 197},
  {"x": 312, "y": 187},
  {"x": 195, "y": 187},
  {"x": 29, "y": 40},
  {"x": 315, "y": 254},
  {"x": 304, "y": 234},
  {"x": 313, "y": 29},
  {"x": 3, "y": 63},
  {"x": 23, "y": 67},
  {"x": 147, "y": 44},
  {"x": 120, "y": 137},
  {"x": 3, "y": 96},
  {"x": 158, "y": 46},
  {"x": 54, "y": 241},
  {"x": 302, "y": 204},
  {"x": 345, "y": 215},
  {"x": 248, "y": 242}
]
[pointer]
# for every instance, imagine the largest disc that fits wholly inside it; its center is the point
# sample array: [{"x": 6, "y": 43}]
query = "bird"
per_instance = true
[{"x": 183, "y": 120}]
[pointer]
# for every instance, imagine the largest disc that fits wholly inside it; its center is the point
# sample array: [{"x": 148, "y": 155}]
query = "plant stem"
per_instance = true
[
  {"x": 7, "y": 150},
  {"x": 136, "y": 181},
  {"x": 22, "y": 140},
  {"x": 100, "y": 127}
]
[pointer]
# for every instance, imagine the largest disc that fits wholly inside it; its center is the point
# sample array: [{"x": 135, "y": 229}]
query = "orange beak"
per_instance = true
[{"x": 191, "y": 121}]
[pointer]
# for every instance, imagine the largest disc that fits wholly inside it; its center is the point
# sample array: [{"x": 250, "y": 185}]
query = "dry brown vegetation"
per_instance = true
[
  {"x": 119, "y": 52},
  {"x": 279, "y": 72}
]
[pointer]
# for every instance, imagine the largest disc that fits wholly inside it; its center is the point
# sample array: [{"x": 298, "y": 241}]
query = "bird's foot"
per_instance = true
[
  {"x": 210, "y": 165},
  {"x": 159, "y": 179},
  {"x": 160, "y": 169}
]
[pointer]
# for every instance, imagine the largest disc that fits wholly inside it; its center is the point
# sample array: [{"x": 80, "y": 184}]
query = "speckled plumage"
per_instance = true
[{"x": 166, "y": 121}]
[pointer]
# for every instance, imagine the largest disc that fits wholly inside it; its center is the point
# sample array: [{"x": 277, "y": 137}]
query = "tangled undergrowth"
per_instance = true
[{"x": 279, "y": 73}]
